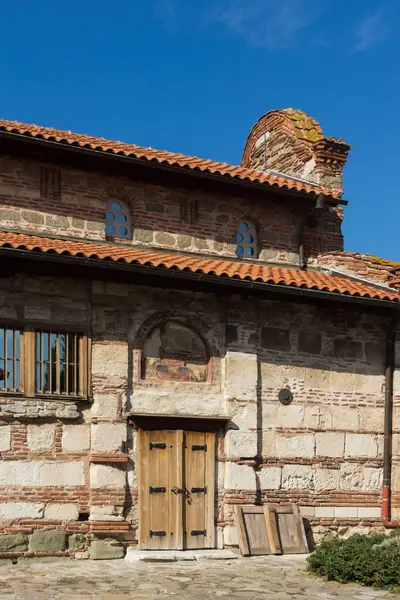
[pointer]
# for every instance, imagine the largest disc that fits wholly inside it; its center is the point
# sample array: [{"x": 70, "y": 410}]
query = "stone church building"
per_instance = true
[{"x": 179, "y": 336}]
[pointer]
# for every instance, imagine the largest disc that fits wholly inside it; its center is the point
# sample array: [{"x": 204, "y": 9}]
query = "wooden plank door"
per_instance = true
[
  {"x": 159, "y": 472},
  {"x": 291, "y": 528},
  {"x": 198, "y": 467}
]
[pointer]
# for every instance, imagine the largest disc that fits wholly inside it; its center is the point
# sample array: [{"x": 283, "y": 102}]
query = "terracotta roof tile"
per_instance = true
[
  {"x": 312, "y": 280},
  {"x": 305, "y": 129}
]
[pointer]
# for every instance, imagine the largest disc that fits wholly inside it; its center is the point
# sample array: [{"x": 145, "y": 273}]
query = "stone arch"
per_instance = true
[{"x": 171, "y": 348}]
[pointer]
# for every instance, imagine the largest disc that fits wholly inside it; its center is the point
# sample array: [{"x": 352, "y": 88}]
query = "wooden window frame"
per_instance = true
[
  {"x": 28, "y": 360},
  {"x": 16, "y": 325}
]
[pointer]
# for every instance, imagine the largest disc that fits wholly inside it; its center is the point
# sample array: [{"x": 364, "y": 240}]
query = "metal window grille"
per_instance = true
[
  {"x": 58, "y": 363},
  {"x": 10, "y": 359}
]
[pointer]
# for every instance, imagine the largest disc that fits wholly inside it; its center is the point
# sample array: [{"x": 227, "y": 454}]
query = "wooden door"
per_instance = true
[
  {"x": 199, "y": 483},
  {"x": 176, "y": 490},
  {"x": 159, "y": 472}
]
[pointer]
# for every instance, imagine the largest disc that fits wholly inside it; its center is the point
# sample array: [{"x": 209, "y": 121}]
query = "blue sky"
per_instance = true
[{"x": 193, "y": 76}]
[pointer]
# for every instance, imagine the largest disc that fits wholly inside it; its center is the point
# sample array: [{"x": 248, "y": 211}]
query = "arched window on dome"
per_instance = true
[
  {"x": 118, "y": 220},
  {"x": 246, "y": 240}
]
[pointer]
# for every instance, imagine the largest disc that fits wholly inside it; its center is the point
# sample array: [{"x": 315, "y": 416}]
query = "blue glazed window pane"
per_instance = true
[
  {"x": 239, "y": 250},
  {"x": 110, "y": 216},
  {"x": 122, "y": 231},
  {"x": 239, "y": 237},
  {"x": 243, "y": 227},
  {"x": 249, "y": 238},
  {"x": 110, "y": 230},
  {"x": 249, "y": 251},
  {"x": 116, "y": 206},
  {"x": 122, "y": 218}
]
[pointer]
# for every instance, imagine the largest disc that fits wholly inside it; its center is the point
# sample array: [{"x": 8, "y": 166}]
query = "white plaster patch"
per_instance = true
[
  {"x": 106, "y": 476},
  {"x": 230, "y": 536},
  {"x": 108, "y": 437},
  {"x": 20, "y": 510},
  {"x": 61, "y": 512},
  {"x": 346, "y": 512},
  {"x": 41, "y": 437},
  {"x": 5, "y": 438},
  {"x": 296, "y": 477},
  {"x": 75, "y": 438},
  {"x": 239, "y": 477}
]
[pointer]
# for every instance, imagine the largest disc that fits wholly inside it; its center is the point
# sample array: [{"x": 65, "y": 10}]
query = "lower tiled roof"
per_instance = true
[
  {"x": 280, "y": 276},
  {"x": 193, "y": 163}
]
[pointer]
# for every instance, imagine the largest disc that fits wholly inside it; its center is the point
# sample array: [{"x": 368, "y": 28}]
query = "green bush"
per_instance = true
[{"x": 372, "y": 560}]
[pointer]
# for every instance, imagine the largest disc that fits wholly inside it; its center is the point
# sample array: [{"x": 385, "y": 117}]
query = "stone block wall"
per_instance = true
[
  {"x": 166, "y": 217},
  {"x": 324, "y": 451},
  {"x": 62, "y": 461},
  {"x": 68, "y": 468}
]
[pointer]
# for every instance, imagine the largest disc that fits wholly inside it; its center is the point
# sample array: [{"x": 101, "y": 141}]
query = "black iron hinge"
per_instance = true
[
  {"x": 158, "y": 445},
  {"x": 157, "y": 533}
]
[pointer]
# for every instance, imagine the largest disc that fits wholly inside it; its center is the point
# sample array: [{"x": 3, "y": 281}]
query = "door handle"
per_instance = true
[{"x": 184, "y": 491}]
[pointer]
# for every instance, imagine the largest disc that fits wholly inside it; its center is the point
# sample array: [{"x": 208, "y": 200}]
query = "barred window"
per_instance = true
[
  {"x": 10, "y": 359},
  {"x": 118, "y": 220},
  {"x": 59, "y": 363}
]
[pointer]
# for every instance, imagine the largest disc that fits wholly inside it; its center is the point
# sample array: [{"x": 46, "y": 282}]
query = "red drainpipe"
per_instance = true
[{"x": 388, "y": 426}]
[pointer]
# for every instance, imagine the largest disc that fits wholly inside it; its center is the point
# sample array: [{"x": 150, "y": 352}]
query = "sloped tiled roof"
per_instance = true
[
  {"x": 307, "y": 127},
  {"x": 280, "y": 276},
  {"x": 162, "y": 157}
]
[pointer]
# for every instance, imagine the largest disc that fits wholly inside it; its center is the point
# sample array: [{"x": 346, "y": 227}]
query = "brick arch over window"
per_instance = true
[
  {"x": 118, "y": 219},
  {"x": 170, "y": 348}
]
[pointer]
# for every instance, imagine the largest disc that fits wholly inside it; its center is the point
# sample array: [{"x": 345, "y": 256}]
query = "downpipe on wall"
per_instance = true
[{"x": 388, "y": 425}]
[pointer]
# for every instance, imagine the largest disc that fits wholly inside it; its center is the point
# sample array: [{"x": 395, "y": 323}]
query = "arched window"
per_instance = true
[
  {"x": 118, "y": 220},
  {"x": 246, "y": 240},
  {"x": 174, "y": 352}
]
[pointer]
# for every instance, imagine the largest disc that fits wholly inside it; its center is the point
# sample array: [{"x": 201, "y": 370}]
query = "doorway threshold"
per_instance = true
[{"x": 133, "y": 555}]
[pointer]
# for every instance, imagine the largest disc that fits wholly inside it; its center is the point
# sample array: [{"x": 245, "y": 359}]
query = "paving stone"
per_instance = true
[{"x": 258, "y": 578}]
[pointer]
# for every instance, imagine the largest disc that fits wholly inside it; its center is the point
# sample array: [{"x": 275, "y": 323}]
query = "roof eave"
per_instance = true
[
  {"x": 144, "y": 162},
  {"x": 218, "y": 280}
]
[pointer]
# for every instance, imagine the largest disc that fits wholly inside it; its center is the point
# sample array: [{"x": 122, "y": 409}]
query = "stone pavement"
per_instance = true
[{"x": 275, "y": 578}]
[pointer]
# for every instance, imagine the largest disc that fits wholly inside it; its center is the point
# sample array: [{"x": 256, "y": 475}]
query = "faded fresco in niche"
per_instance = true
[{"x": 174, "y": 352}]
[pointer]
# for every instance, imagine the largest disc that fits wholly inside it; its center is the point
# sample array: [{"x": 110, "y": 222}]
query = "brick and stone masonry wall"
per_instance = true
[
  {"x": 165, "y": 217},
  {"x": 62, "y": 487},
  {"x": 63, "y": 482},
  {"x": 324, "y": 451}
]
